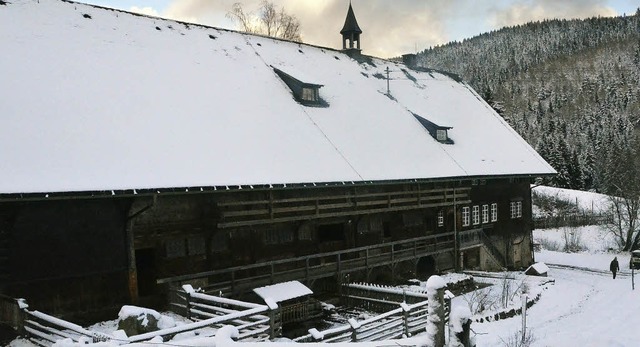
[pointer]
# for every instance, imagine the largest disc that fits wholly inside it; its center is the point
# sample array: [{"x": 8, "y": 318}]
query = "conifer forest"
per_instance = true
[{"x": 571, "y": 88}]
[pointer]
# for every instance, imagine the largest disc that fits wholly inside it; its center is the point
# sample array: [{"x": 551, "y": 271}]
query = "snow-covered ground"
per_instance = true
[
  {"x": 585, "y": 201},
  {"x": 582, "y": 308}
]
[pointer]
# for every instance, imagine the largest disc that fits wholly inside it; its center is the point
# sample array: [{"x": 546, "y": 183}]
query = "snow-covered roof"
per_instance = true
[
  {"x": 537, "y": 269},
  {"x": 283, "y": 291},
  {"x": 93, "y": 99}
]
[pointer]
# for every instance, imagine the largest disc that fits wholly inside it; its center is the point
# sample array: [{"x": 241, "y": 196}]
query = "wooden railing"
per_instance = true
[
  {"x": 199, "y": 306},
  {"x": 405, "y": 320},
  {"x": 572, "y": 220},
  {"x": 233, "y": 280},
  {"x": 45, "y": 329},
  {"x": 272, "y": 209},
  {"x": 378, "y": 298}
]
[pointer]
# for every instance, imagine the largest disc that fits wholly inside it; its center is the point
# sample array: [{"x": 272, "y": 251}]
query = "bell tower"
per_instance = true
[{"x": 351, "y": 32}]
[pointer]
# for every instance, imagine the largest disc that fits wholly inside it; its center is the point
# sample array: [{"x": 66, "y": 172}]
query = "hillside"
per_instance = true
[{"x": 569, "y": 87}]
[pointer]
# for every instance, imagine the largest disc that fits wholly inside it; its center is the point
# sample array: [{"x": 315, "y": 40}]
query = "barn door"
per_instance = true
[{"x": 146, "y": 268}]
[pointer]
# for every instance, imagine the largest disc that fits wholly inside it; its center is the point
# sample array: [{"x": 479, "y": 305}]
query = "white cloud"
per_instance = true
[
  {"x": 150, "y": 11},
  {"x": 392, "y": 28},
  {"x": 526, "y": 11}
]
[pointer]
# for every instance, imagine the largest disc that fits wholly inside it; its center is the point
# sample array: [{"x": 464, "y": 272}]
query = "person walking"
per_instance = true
[{"x": 614, "y": 266}]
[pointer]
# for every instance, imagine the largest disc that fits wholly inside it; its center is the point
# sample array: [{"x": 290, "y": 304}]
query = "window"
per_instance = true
[
  {"x": 476, "y": 215},
  {"x": 516, "y": 209},
  {"x": 277, "y": 236},
  {"x": 438, "y": 132},
  {"x": 465, "y": 216},
  {"x": 304, "y": 92},
  {"x": 494, "y": 212},
  {"x": 306, "y": 232},
  {"x": 485, "y": 214},
  {"x": 309, "y": 94},
  {"x": 440, "y": 218}
]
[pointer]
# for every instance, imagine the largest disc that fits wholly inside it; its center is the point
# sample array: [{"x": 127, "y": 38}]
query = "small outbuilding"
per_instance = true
[
  {"x": 294, "y": 299},
  {"x": 537, "y": 269}
]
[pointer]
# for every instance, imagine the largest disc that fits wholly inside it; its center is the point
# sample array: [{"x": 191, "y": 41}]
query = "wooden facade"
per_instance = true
[{"x": 80, "y": 253}]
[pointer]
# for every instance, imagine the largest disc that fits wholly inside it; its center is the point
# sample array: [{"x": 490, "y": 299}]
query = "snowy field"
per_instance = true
[{"x": 583, "y": 307}]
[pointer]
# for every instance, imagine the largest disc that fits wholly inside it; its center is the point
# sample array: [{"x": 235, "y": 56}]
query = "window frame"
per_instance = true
[
  {"x": 494, "y": 212},
  {"x": 441, "y": 135},
  {"x": 440, "y": 218},
  {"x": 475, "y": 215},
  {"x": 485, "y": 213},
  {"x": 466, "y": 216},
  {"x": 309, "y": 94},
  {"x": 516, "y": 209}
]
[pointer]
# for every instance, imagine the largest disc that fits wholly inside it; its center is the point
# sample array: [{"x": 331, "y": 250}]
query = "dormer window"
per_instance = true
[
  {"x": 305, "y": 93},
  {"x": 310, "y": 94},
  {"x": 438, "y": 132}
]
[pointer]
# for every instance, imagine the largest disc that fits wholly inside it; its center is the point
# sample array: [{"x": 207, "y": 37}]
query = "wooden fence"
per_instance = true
[
  {"x": 405, "y": 320},
  {"x": 235, "y": 280},
  {"x": 265, "y": 323},
  {"x": 571, "y": 220},
  {"x": 406, "y": 314}
]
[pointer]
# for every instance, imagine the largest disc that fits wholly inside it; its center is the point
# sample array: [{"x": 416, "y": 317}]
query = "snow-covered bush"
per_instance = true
[
  {"x": 481, "y": 300},
  {"x": 549, "y": 244}
]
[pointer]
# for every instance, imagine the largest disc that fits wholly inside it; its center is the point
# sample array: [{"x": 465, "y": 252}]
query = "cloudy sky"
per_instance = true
[{"x": 390, "y": 27}]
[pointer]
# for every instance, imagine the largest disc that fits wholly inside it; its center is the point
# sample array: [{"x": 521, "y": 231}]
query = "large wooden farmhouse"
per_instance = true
[{"x": 140, "y": 153}]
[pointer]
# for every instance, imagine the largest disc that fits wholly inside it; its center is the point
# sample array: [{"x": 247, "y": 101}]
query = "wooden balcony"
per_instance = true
[
  {"x": 352, "y": 202},
  {"x": 308, "y": 268}
]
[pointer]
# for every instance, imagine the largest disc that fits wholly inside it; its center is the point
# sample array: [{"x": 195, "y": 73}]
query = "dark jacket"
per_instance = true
[{"x": 614, "y": 266}]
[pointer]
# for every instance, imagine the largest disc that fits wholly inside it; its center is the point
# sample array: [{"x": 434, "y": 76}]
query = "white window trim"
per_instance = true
[
  {"x": 516, "y": 209},
  {"x": 494, "y": 212},
  {"x": 466, "y": 220},
  {"x": 475, "y": 214},
  {"x": 485, "y": 214},
  {"x": 441, "y": 218}
]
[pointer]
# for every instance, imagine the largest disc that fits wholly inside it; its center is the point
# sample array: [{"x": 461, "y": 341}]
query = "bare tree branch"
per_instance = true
[{"x": 268, "y": 21}]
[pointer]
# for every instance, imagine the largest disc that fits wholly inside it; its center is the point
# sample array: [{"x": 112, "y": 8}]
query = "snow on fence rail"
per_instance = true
[
  {"x": 401, "y": 322},
  {"x": 252, "y": 321},
  {"x": 405, "y": 320},
  {"x": 377, "y": 298},
  {"x": 199, "y": 306},
  {"x": 44, "y": 327}
]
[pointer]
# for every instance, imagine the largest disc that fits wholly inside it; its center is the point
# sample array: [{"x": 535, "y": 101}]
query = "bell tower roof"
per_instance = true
[
  {"x": 351, "y": 33},
  {"x": 350, "y": 23}
]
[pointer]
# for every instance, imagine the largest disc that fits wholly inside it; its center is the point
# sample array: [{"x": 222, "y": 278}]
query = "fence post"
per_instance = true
[
  {"x": 20, "y": 315},
  {"x": 274, "y": 323},
  {"x": 460, "y": 324},
  {"x": 188, "y": 305},
  {"x": 406, "y": 313},
  {"x": 354, "y": 329},
  {"x": 436, "y": 319}
]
